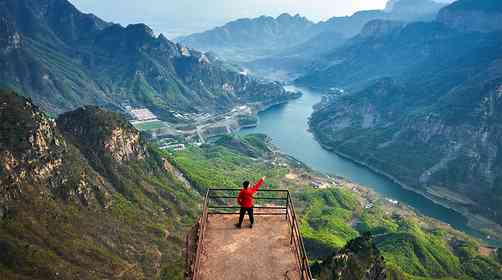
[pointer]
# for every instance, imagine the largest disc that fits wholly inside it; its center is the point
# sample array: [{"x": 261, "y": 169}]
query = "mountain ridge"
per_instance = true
[
  {"x": 431, "y": 122},
  {"x": 313, "y": 40},
  {"x": 80, "y": 203},
  {"x": 67, "y": 60}
]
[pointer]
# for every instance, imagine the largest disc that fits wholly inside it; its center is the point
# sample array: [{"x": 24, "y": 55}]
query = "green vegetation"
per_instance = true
[
  {"x": 151, "y": 125},
  {"x": 77, "y": 220},
  {"x": 429, "y": 120},
  {"x": 128, "y": 218},
  {"x": 327, "y": 216},
  {"x": 155, "y": 75},
  {"x": 330, "y": 218},
  {"x": 228, "y": 163}
]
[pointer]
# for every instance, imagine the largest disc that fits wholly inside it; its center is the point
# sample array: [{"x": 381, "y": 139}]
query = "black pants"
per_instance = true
[{"x": 250, "y": 214}]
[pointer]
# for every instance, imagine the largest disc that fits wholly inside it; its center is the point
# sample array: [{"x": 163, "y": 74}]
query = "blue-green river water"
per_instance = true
[{"x": 287, "y": 125}]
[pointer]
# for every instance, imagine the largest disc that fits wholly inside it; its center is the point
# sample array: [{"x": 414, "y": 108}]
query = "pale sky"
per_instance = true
[{"x": 174, "y": 17}]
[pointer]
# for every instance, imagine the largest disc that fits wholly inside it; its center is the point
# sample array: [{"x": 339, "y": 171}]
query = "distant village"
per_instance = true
[{"x": 194, "y": 129}]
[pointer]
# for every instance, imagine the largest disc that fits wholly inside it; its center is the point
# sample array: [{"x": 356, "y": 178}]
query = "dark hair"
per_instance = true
[{"x": 245, "y": 184}]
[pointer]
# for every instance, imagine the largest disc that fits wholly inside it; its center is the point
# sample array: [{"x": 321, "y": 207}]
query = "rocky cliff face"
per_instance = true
[
  {"x": 30, "y": 146},
  {"x": 358, "y": 260},
  {"x": 86, "y": 198},
  {"x": 116, "y": 138},
  {"x": 423, "y": 108},
  {"x": 429, "y": 134},
  {"x": 380, "y": 28},
  {"x": 35, "y": 159},
  {"x": 470, "y": 15}
]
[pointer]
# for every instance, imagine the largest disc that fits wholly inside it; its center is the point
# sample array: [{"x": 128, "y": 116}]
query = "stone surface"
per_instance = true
[{"x": 262, "y": 252}]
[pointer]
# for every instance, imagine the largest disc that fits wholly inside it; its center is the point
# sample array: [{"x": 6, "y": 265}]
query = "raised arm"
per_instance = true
[{"x": 258, "y": 184}]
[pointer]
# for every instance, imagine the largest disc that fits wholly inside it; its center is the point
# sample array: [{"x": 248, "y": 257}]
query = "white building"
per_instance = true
[{"x": 142, "y": 114}]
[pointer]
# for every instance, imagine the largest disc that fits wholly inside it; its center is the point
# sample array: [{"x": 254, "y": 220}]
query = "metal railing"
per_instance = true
[{"x": 223, "y": 202}]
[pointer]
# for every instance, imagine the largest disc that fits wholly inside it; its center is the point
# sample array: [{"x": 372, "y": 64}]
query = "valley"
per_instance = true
[
  {"x": 385, "y": 126},
  {"x": 335, "y": 211},
  {"x": 288, "y": 127},
  {"x": 200, "y": 128}
]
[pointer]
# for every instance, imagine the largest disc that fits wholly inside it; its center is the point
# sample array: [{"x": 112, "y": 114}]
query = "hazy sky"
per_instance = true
[{"x": 181, "y": 16}]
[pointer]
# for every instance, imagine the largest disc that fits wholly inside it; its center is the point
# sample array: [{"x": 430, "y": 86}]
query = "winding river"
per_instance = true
[{"x": 287, "y": 125}]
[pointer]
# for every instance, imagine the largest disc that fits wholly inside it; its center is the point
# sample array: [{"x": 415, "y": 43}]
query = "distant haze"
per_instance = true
[{"x": 178, "y": 17}]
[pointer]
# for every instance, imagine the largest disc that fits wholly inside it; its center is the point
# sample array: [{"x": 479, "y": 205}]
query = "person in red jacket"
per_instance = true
[{"x": 245, "y": 200}]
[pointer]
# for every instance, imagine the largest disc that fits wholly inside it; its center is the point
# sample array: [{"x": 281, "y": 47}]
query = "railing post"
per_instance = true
[
  {"x": 287, "y": 205},
  {"x": 293, "y": 222}
]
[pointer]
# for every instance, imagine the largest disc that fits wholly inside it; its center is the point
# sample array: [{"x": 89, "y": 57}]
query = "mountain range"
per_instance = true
[
  {"x": 413, "y": 92},
  {"x": 63, "y": 59},
  {"x": 422, "y": 104},
  {"x": 287, "y": 43}
]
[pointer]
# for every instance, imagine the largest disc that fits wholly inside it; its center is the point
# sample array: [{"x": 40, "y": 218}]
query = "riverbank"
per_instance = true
[
  {"x": 484, "y": 226},
  {"x": 287, "y": 126},
  {"x": 259, "y": 107},
  {"x": 333, "y": 211}
]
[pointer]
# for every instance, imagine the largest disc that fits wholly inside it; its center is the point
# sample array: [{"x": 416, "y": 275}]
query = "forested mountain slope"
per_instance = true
[
  {"x": 86, "y": 198},
  {"x": 424, "y": 107},
  {"x": 64, "y": 59},
  {"x": 350, "y": 233}
]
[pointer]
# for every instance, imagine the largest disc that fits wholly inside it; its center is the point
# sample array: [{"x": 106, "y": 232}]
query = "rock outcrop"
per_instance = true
[
  {"x": 358, "y": 260},
  {"x": 85, "y": 197},
  {"x": 379, "y": 28},
  {"x": 35, "y": 159},
  {"x": 116, "y": 137}
]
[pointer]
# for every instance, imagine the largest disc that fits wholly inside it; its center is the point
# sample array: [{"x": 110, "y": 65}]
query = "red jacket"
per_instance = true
[{"x": 245, "y": 198}]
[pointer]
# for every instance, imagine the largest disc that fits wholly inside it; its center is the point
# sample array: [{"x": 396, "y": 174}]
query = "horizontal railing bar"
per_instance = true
[
  {"x": 238, "y": 207},
  {"x": 261, "y": 190},
  {"x": 237, "y": 213},
  {"x": 255, "y": 198}
]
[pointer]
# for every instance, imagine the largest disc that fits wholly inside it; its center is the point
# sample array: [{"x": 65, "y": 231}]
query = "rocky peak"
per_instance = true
[
  {"x": 58, "y": 19},
  {"x": 379, "y": 28},
  {"x": 140, "y": 31},
  {"x": 101, "y": 133},
  {"x": 134, "y": 38},
  {"x": 30, "y": 147},
  {"x": 286, "y": 18},
  {"x": 36, "y": 160},
  {"x": 473, "y": 15}
]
